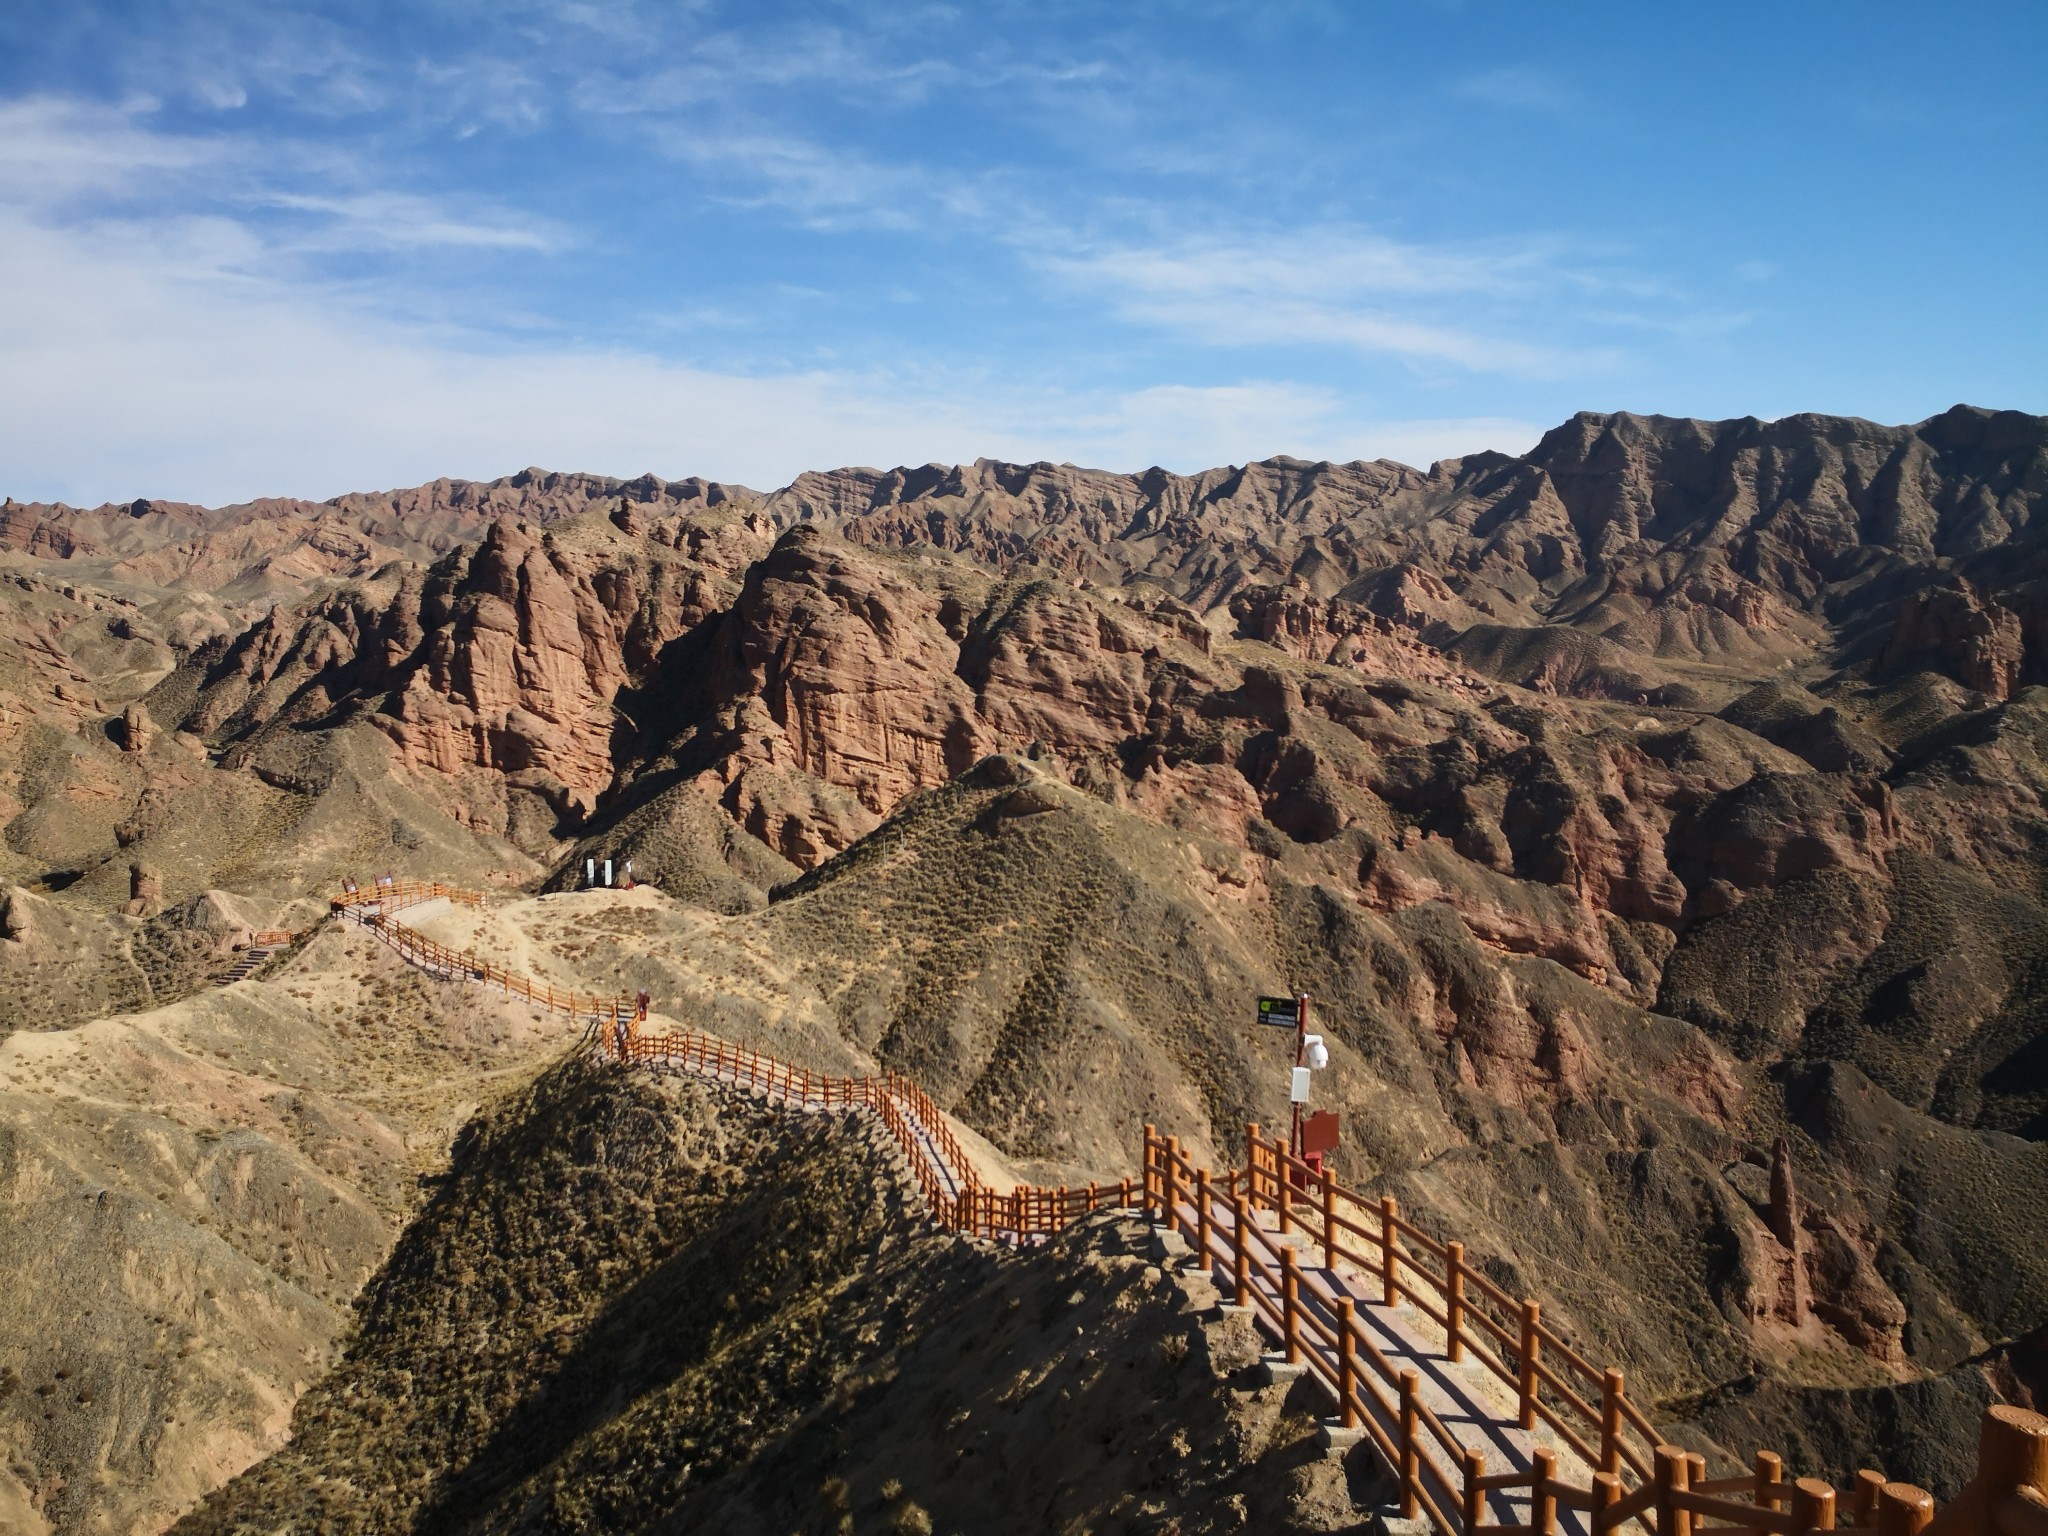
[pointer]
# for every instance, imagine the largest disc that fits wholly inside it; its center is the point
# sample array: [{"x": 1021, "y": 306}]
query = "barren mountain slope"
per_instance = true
[
  {"x": 1628, "y": 805},
  {"x": 640, "y": 1308},
  {"x": 191, "y": 1197},
  {"x": 1057, "y": 970}
]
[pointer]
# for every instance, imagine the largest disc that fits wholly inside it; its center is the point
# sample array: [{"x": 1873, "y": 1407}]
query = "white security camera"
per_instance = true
[{"x": 1318, "y": 1053}]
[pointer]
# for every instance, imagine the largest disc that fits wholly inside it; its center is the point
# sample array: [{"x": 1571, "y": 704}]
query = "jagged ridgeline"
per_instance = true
[{"x": 1625, "y": 807}]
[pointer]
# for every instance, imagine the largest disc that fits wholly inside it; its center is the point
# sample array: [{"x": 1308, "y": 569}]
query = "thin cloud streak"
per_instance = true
[
  {"x": 55, "y": 151},
  {"x": 393, "y": 220},
  {"x": 90, "y": 164},
  {"x": 1332, "y": 288}
]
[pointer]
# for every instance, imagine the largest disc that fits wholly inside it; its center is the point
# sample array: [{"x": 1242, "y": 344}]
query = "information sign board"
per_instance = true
[{"x": 1283, "y": 1011}]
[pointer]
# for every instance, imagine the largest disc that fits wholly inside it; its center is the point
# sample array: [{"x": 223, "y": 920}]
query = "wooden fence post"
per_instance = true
[
  {"x": 1202, "y": 1220},
  {"x": 1390, "y": 1264},
  {"x": 1411, "y": 1424},
  {"x": 1863, "y": 1501},
  {"x": 1283, "y": 1190},
  {"x": 1290, "y": 1305},
  {"x": 1769, "y": 1474},
  {"x": 1170, "y": 1199},
  {"x": 1330, "y": 1225},
  {"x": 1347, "y": 1362},
  {"x": 1532, "y": 1314},
  {"x": 2012, "y": 1451},
  {"x": 1240, "y": 1263},
  {"x": 1669, "y": 1471},
  {"x": 1475, "y": 1496},
  {"x": 1612, "y": 1385},
  {"x": 1903, "y": 1510},
  {"x": 1606, "y": 1494},
  {"x": 1813, "y": 1506},
  {"x": 1543, "y": 1493},
  {"x": 1145, "y": 1168},
  {"x": 1454, "y": 1301},
  {"x": 1251, "y": 1160}
]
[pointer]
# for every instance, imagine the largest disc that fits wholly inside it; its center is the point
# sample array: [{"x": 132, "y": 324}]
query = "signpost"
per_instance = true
[
  {"x": 1292, "y": 1013},
  {"x": 1312, "y": 1137}
]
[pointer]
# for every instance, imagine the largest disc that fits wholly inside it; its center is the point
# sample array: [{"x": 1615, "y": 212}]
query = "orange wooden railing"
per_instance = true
[
  {"x": 955, "y": 1195},
  {"x": 1631, "y": 1474},
  {"x": 953, "y": 1192},
  {"x": 428, "y": 953}
]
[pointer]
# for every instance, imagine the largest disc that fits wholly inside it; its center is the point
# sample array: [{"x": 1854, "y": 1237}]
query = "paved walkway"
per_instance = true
[
  {"x": 1468, "y": 1401},
  {"x": 246, "y": 964}
]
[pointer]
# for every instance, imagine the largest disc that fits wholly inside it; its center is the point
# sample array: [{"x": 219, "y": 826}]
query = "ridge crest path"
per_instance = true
[
  {"x": 614, "y": 1024},
  {"x": 1378, "y": 1359},
  {"x": 1459, "y": 1394},
  {"x": 1453, "y": 1392}
]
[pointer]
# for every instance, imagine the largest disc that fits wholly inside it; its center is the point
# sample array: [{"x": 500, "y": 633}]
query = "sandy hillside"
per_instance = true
[{"x": 193, "y": 1197}]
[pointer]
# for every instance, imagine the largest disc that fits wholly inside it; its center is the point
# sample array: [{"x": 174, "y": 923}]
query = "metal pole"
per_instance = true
[{"x": 1300, "y": 1059}]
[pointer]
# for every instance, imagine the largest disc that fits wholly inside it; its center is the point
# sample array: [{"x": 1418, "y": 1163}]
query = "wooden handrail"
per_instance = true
[
  {"x": 1584, "y": 1406},
  {"x": 1400, "y": 1254},
  {"x": 1317, "y": 1322},
  {"x": 944, "y": 1176}
]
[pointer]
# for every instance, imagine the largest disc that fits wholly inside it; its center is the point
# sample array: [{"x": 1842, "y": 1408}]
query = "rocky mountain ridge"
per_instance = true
[{"x": 1608, "y": 514}]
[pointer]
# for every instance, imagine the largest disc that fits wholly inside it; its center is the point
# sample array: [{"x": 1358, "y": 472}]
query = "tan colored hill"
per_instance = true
[{"x": 194, "y": 1196}]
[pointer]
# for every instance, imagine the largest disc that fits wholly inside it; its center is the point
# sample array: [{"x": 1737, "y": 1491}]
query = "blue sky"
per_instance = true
[{"x": 300, "y": 249}]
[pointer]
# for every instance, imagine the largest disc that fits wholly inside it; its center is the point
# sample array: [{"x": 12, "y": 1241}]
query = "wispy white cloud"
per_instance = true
[
  {"x": 396, "y": 220},
  {"x": 91, "y": 162},
  {"x": 1338, "y": 287},
  {"x": 889, "y": 58},
  {"x": 822, "y": 186},
  {"x": 1466, "y": 306},
  {"x": 57, "y": 150},
  {"x": 219, "y": 54},
  {"x": 132, "y": 374}
]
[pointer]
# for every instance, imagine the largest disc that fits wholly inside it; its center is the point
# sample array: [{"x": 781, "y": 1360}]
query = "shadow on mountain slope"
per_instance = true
[{"x": 637, "y": 1307}]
